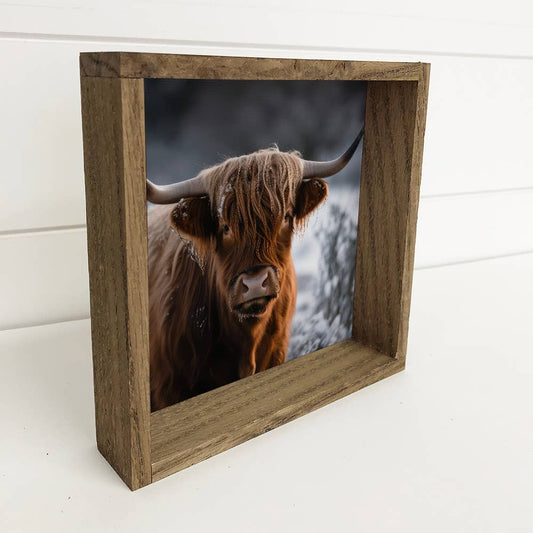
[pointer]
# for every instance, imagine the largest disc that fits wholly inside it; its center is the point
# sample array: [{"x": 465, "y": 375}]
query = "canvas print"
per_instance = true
[{"x": 253, "y": 192}]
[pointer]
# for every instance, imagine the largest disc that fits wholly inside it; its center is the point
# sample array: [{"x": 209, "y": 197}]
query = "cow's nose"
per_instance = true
[
  {"x": 255, "y": 286},
  {"x": 256, "y": 282}
]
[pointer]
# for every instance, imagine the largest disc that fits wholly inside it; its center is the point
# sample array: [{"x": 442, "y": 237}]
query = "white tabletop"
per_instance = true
[{"x": 445, "y": 446}]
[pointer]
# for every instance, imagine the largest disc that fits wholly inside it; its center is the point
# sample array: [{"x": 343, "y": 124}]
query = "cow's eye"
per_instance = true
[
  {"x": 225, "y": 228},
  {"x": 288, "y": 217}
]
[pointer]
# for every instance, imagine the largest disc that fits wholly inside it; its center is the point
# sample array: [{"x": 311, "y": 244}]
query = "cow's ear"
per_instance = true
[
  {"x": 192, "y": 218},
  {"x": 310, "y": 194}
]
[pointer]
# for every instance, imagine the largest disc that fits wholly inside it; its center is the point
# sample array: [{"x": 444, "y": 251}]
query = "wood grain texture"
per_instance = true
[
  {"x": 144, "y": 447},
  {"x": 413, "y": 199},
  {"x": 139, "y": 65},
  {"x": 388, "y": 206},
  {"x": 114, "y": 148},
  {"x": 191, "y": 431}
]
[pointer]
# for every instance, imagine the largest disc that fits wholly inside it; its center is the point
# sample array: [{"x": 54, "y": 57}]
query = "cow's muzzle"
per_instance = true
[{"x": 253, "y": 289}]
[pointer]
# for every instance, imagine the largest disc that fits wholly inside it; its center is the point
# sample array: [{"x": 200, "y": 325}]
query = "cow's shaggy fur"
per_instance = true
[{"x": 196, "y": 342}]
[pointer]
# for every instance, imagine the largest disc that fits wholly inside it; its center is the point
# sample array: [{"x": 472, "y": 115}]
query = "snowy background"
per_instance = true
[{"x": 192, "y": 124}]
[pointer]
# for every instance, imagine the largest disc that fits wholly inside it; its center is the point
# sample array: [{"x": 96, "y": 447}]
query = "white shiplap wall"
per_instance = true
[{"x": 477, "y": 187}]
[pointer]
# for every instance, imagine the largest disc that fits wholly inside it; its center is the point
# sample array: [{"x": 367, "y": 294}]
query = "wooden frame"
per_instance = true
[{"x": 144, "y": 447}]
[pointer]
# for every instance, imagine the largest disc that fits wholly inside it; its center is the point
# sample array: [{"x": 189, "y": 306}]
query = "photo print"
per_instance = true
[{"x": 253, "y": 193}]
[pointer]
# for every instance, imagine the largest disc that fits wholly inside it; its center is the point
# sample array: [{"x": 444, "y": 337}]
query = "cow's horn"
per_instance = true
[
  {"x": 324, "y": 169},
  {"x": 169, "y": 194}
]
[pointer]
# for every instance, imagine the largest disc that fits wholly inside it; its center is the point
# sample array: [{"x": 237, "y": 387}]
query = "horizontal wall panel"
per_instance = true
[
  {"x": 478, "y": 125},
  {"x": 474, "y": 226},
  {"x": 40, "y": 137},
  {"x": 453, "y": 27},
  {"x": 43, "y": 278},
  {"x": 43, "y": 275},
  {"x": 478, "y": 130}
]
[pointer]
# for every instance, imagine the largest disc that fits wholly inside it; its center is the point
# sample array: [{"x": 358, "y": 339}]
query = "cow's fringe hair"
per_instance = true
[{"x": 252, "y": 193}]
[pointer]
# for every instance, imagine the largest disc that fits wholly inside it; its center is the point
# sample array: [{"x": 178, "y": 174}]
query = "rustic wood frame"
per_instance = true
[{"x": 144, "y": 447}]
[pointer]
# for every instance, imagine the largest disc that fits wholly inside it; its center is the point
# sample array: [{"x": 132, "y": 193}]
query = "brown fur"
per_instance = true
[{"x": 197, "y": 246}]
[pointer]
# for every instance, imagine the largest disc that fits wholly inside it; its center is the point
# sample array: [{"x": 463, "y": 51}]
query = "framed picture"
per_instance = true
[{"x": 251, "y": 227}]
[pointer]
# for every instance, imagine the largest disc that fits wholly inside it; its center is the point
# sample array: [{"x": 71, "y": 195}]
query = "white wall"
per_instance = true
[{"x": 477, "y": 185}]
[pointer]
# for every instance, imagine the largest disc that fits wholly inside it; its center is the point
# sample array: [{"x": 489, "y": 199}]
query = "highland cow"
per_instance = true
[{"x": 222, "y": 286}]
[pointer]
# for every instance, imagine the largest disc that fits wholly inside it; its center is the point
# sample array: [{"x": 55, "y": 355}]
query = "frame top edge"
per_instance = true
[{"x": 119, "y": 64}]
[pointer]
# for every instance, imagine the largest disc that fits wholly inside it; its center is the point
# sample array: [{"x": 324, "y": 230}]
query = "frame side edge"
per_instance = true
[
  {"x": 412, "y": 216},
  {"x": 388, "y": 199},
  {"x": 122, "y": 432}
]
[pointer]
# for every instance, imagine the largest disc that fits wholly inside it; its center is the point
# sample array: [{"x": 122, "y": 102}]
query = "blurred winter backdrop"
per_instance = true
[{"x": 192, "y": 124}]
